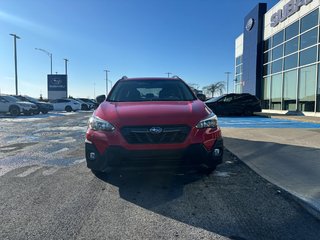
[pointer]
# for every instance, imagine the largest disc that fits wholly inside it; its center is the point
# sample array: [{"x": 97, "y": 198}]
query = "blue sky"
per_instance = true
[{"x": 193, "y": 39}]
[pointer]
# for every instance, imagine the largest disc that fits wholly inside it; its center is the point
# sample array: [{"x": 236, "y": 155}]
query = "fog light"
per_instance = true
[
  {"x": 92, "y": 156},
  {"x": 216, "y": 152}
]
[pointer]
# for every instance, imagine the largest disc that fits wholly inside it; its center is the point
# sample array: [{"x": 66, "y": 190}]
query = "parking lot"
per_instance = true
[{"x": 48, "y": 193}]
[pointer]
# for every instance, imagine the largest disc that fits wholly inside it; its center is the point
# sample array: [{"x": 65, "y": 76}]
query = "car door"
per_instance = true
[
  {"x": 4, "y": 105},
  {"x": 224, "y": 106},
  {"x": 57, "y": 105}
]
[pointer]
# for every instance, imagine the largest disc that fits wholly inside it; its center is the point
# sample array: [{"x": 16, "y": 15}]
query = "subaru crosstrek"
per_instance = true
[{"x": 152, "y": 122}]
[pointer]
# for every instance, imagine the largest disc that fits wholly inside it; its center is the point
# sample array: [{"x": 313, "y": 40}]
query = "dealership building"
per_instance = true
[{"x": 277, "y": 58}]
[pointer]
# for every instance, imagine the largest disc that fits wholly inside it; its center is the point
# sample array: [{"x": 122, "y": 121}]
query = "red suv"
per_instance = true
[{"x": 152, "y": 122}]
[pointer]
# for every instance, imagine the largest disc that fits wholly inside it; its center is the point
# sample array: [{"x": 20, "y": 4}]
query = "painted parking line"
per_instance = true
[{"x": 262, "y": 122}]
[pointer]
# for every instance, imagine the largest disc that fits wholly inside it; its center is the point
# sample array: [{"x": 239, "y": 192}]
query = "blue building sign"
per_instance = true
[
  {"x": 57, "y": 82},
  {"x": 57, "y": 86}
]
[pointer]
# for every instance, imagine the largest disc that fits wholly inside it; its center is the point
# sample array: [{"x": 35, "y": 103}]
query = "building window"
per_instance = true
[
  {"x": 308, "y": 56},
  {"x": 277, "y": 38},
  {"x": 276, "y": 89},
  {"x": 291, "y": 61},
  {"x": 291, "y": 46},
  {"x": 292, "y": 30},
  {"x": 309, "y": 38},
  {"x": 266, "y": 93},
  {"x": 309, "y": 21},
  {"x": 267, "y": 57},
  {"x": 266, "y": 69},
  {"x": 276, "y": 66},
  {"x": 318, "y": 90},
  {"x": 267, "y": 44},
  {"x": 238, "y": 69},
  {"x": 239, "y": 60},
  {"x": 307, "y": 84},
  {"x": 290, "y": 90},
  {"x": 277, "y": 52}
]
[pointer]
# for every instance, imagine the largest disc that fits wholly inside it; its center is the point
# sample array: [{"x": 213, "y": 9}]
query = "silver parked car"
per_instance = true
[{"x": 12, "y": 105}]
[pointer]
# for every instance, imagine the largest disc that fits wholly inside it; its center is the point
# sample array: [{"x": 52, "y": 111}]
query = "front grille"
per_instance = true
[{"x": 143, "y": 135}]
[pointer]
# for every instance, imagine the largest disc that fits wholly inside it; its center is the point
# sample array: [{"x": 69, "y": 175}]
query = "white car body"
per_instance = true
[
  {"x": 7, "y": 102},
  {"x": 65, "y": 105}
]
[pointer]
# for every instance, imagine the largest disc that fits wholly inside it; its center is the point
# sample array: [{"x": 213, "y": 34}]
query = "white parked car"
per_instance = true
[
  {"x": 65, "y": 105},
  {"x": 12, "y": 105},
  {"x": 84, "y": 106}
]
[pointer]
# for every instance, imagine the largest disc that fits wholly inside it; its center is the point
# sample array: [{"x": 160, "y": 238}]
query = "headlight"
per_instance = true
[
  {"x": 209, "y": 122},
  {"x": 98, "y": 124}
]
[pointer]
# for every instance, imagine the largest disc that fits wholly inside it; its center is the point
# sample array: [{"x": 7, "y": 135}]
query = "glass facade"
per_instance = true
[
  {"x": 291, "y": 67},
  {"x": 238, "y": 77}
]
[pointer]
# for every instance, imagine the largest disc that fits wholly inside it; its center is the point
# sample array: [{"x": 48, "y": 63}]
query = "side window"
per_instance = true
[
  {"x": 226, "y": 99},
  {"x": 2, "y": 100}
]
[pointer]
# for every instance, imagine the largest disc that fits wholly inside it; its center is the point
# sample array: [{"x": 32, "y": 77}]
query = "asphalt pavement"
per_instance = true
[
  {"x": 283, "y": 151},
  {"x": 48, "y": 193}
]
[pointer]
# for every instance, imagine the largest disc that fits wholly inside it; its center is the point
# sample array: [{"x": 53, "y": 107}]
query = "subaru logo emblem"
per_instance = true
[{"x": 155, "y": 130}]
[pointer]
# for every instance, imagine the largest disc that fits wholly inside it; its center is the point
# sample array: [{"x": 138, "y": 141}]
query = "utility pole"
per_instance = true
[
  {"x": 15, "y": 37},
  {"x": 228, "y": 73},
  {"x": 66, "y": 65},
  {"x": 107, "y": 90},
  {"x": 168, "y": 73}
]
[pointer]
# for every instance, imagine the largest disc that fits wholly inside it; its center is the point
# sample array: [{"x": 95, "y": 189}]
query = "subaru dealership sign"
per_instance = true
[
  {"x": 57, "y": 86},
  {"x": 288, "y": 10}
]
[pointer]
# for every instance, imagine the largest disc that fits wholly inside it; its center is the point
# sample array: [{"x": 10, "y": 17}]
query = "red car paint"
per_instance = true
[{"x": 152, "y": 113}]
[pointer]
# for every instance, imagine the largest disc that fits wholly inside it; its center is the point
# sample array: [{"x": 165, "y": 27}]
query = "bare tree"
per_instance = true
[{"x": 215, "y": 88}]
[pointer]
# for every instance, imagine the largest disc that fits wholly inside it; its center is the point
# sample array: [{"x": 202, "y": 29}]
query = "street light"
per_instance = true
[
  {"x": 49, "y": 54},
  {"x": 15, "y": 37},
  {"x": 228, "y": 73},
  {"x": 66, "y": 65},
  {"x": 107, "y": 81}
]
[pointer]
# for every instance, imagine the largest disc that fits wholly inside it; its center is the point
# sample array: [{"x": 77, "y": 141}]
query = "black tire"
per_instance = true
[
  {"x": 36, "y": 112},
  {"x": 68, "y": 108},
  {"x": 44, "y": 112},
  {"x": 14, "y": 111},
  {"x": 84, "y": 107}
]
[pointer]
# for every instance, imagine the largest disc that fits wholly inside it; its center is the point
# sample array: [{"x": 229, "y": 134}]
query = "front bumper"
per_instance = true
[{"x": 117, "y": 156}]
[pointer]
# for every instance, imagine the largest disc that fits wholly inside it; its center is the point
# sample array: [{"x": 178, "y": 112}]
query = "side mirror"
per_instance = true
[
  {"x": 100, "y": 98},
  {"x": 201, "y": 96}
]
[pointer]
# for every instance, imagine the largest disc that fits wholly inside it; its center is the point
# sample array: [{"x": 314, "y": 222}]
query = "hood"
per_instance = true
[
  {"x": 151, "y": 113},
  {"x": 25, "y": 103}
]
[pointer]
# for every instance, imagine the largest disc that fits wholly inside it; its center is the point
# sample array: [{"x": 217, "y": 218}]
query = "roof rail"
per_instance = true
[{"x": 175, "y": 76}]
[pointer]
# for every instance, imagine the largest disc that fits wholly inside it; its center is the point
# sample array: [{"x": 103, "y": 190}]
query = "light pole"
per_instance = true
[
  {"x": 168, "y": 73},
  {"x": 15, "y": 37},
  {"x": 66, "y": 65},
  {"x": 49, "y": 54},
  {"x": 228, "y": 73},
  {"x": 107, "y": 81}
]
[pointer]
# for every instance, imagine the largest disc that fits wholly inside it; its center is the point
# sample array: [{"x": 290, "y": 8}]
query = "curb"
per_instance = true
[{"x": 309, "y": 207}]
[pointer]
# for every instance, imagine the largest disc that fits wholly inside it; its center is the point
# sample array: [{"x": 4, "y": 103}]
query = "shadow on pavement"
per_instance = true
[{"x": 233, "y": 201}]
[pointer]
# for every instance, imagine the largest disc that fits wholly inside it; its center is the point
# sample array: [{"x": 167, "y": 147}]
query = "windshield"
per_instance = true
[
  {"x": 11, "y": 99},
  {"x": 31, "y": 99},
  {"x": 150, "y": 90},
  {"x": 214, "y": 99}
]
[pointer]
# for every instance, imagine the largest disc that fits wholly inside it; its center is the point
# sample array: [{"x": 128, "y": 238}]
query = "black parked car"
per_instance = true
[
  {"x": 42, "y": 106},
  {"x": 234, "y": 104}
]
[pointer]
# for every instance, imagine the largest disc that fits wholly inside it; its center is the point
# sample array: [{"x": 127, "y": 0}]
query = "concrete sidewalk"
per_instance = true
[
  {"x": 288, "y": 158},
  {"x": 295, "y": 117}
]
